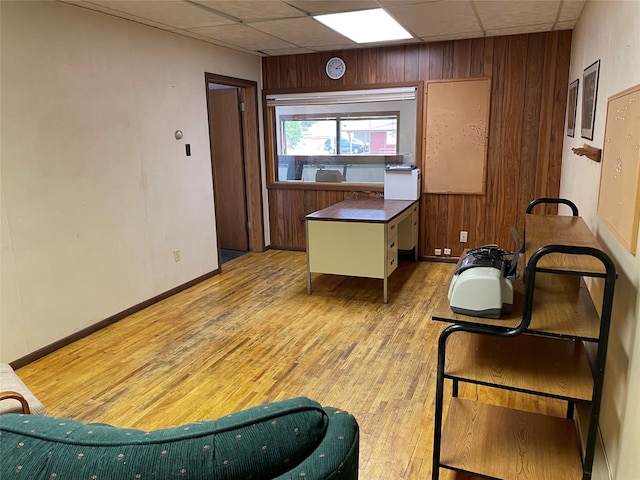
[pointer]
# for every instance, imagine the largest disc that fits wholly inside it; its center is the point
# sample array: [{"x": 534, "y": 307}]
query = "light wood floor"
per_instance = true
[{"x": 252, "y": 335}]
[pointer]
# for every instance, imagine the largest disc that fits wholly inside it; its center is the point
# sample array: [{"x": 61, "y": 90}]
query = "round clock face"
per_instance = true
[{"x": 335, "y": 68}]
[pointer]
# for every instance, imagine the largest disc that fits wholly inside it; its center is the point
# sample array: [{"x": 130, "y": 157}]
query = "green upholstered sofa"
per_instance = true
[{"x": 292, "y": 439}]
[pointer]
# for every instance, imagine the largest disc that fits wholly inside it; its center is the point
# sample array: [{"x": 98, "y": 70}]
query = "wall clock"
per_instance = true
[{"x": 335, "y": 68}]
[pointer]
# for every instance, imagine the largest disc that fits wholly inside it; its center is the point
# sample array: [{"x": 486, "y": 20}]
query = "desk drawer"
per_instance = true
[
  {"x": 415, "y": 218},
  {"x": 393, "y": 228},
  {"x": 408, "y": 229},
  {"x": 392, "y": 255}
]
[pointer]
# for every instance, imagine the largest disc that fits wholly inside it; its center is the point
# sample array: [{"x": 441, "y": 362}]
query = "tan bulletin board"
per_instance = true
[
  {"x": 619, "y": 198},
  {"x": 457, "y": 132}
]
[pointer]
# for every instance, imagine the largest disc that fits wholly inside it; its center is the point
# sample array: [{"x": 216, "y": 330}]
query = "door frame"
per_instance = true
[{"x": 248, "y": 91}]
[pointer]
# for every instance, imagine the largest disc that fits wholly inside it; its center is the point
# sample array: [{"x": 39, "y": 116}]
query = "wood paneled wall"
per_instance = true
[{"x": 526, "y": 130}]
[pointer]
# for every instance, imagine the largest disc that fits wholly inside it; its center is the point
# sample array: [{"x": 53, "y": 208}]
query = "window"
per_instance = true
[{"x": 342, "y": 137}]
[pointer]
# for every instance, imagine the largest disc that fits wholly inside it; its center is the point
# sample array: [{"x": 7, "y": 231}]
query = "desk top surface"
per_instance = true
[{"x": 362, "y": 210}]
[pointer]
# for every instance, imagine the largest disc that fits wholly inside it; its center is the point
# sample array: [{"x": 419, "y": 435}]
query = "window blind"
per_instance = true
[{"x": 342, "y": 97}]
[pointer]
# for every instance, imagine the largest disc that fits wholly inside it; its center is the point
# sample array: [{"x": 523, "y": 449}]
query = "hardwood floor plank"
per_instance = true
[{"x": 252, "y": 334}]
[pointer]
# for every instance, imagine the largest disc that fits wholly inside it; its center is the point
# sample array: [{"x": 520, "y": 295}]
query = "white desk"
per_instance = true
[{"x": 361, "y": 238}]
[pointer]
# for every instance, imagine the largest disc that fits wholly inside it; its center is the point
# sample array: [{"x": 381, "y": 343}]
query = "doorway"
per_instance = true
[
  {"x": 227, "y": 164},
  {"x": 235, "y": 165}
]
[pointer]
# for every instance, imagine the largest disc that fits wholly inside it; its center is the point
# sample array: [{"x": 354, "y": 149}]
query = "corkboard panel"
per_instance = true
[
  {"x": 457, "y": 132},
  {"x": 619, "y": 197}
]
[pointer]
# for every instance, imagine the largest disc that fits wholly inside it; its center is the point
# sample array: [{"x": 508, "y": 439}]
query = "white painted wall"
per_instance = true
[
  {"x": 610, "y": 31},
  {"x": 96, "y": 191}
]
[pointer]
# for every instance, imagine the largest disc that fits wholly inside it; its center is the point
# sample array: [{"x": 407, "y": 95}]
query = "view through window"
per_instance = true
[{"x": 343, "y": 137}]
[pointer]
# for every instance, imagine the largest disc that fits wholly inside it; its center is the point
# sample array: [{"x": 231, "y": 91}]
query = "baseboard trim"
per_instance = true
[
  {"x": 46, "y": 350},
  {"x": 286, "y": 248},
  {"x": 433, "y": 258},
  {"x": 607, "y": 466}
]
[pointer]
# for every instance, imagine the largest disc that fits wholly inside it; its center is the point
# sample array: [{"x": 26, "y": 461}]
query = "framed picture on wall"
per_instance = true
[
  {"x": 572, "y": 104},
  {"x": 589, "y": 97}
]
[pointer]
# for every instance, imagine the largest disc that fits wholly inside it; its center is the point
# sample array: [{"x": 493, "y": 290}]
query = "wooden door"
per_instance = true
[{"x": 227, "y": 157}]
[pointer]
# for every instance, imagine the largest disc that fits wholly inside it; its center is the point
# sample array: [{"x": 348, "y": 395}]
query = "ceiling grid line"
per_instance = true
[{"x": 475, "y": 12}]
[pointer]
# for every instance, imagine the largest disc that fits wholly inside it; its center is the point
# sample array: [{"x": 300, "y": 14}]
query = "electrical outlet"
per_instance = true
[
  {"x": 463, "y": 236},
  {"x": 438, "y": 251},
  {"x": 447, "y": 251},
  {"x": 176, "y": 255}
]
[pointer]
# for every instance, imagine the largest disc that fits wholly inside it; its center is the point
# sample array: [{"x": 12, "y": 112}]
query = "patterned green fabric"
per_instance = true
[{"x": 292, "y": 439}]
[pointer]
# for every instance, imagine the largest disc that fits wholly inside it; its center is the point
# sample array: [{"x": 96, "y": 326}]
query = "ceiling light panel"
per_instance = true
[{"x": 365, "y": 26}]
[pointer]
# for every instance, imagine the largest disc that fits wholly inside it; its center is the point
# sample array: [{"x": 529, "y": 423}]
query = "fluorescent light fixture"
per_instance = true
[{"x": 365, "y": 26}]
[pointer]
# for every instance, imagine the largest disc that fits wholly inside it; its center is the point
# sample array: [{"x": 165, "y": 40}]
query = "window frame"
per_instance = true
[{"x": 271, "y": 132}]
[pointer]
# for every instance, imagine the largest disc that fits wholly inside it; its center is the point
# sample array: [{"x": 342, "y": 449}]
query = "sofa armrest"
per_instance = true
[
  {"x": 337, "y": 455},
  {"x": 11, "y": 382},
  {"x": 9, "y": 395}
]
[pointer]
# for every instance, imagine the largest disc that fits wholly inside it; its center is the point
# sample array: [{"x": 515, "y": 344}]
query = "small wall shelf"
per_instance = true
[{"x": 588, "y": 151}]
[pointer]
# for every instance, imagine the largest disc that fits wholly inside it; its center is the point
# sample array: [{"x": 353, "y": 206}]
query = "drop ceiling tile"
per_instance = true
[
  {"x": 304, "y": 32},
  {"x": 542, "y": 27},
  {"x": 78, "y": 3},
  {"x": 436, "y": 18},
  {"x": 286, "y": 51},
  {"x": 405, "y": 41},
  {"x": 328, "y": 48},
  {"x": 173, "y": 13},
  {"x": 318, "y": 7},
  {"x": 116, "y": 13},
  {"x": 243, "y": 36},
  {"x": 453, "y": 36},
  {"x": 248, "y": 11},
  {"x": 395, "y": 3},
  {"x": 568, "y": 25},
  {"x": 571, "y": 10},
  {"x": 191, "y": 34},
  {"x": 496, "y": 14},
  {"x": 213, "y": 41}
]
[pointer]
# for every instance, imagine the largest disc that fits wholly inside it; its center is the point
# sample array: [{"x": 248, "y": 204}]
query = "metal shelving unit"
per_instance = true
[{"x": 538, "y": 349}]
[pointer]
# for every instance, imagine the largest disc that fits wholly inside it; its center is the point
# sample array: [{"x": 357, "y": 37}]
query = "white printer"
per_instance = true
[
  {"x": 402, "y": 182},
  {"x": 482, "y": 284}
]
